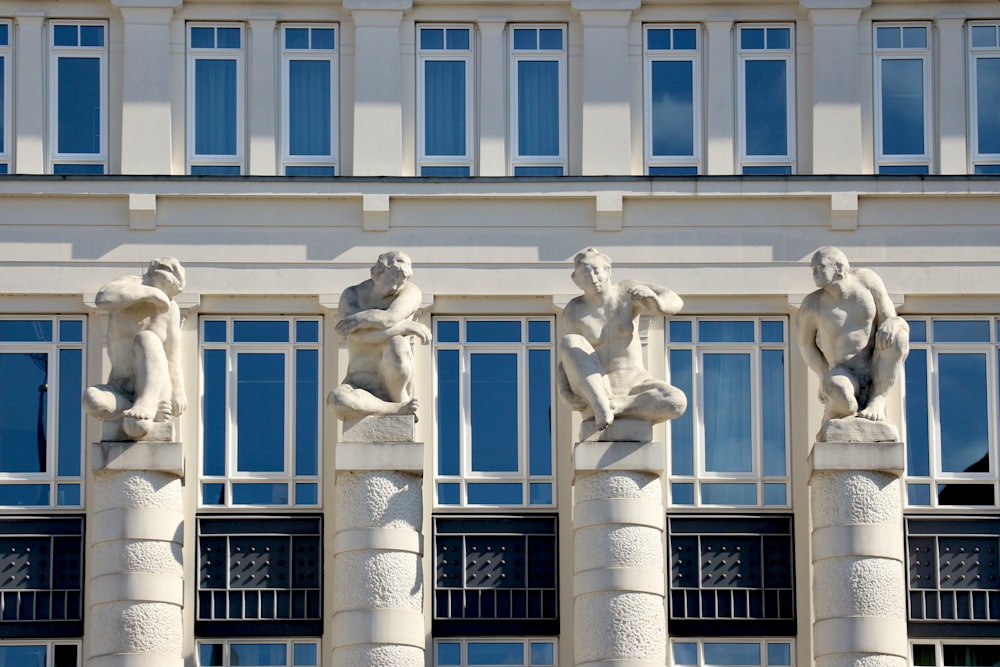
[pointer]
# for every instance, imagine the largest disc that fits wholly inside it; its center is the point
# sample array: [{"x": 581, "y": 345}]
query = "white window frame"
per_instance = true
[
  {"x": 290, "y": 643},
  {"x": 287, "y": 475},
  {"x": 6, "y": 115},
  {"x": 975, "y": 53},
  {"x": 677, "y": 55},
  {"x": 50, "y": 646},
  {"x": 701, "y": 641},
  {"x": 331, "y": 56},
  {"x": 696, "y": 410},
  {"x": 55, "y": 54},
  {"x": 239, "y": 56},
  {"x": 788, "y": 56},
  {"x": 923, "y": 54},
  {"x": 526, "y": 641},
  {"x": 447, "y": 55},
  {"x": 939, "y": 645},
  {"x": 550, "y": 55}
]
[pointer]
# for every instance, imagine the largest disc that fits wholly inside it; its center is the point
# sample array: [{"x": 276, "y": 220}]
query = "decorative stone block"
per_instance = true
[
  {"x": 377, "y": 428},
  {"x": 165, "y": 457},
  {"x": 887, "y": 457},
  {"x": 379, "y": 456},
  {"x": 857, "y": 429},
  {"x": 622, "y": 429},
  {"x": 130, "y": 430}
]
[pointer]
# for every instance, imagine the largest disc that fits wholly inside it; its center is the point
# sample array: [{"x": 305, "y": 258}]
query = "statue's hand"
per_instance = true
[
  {"x": 178, "y": 404},
  {"x": 640, "y": 292},
  {"x": 422, "y": 333},
  {"x": 889, "y": 331}
]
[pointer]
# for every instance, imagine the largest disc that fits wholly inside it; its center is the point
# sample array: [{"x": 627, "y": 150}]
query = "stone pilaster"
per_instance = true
[
  {"x": 859, "y": 580},
  {"x": 378, "y": 618},
  {"x": 137, "y": 571},
  {"x": 618, "y": 579}
]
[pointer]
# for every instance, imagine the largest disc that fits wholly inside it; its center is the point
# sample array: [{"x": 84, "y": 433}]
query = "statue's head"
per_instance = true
[
  {"x": 591, "y": 270},
  {"x": 167, "y": 274},
  {"x": 829, "y": 265},
  {"x": 391, "y": 271}
]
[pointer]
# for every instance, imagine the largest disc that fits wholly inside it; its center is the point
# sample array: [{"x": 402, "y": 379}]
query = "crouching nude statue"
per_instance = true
[
  {"x": 145, "y": 386},
  {"x": 377, "y": 321},
  {"x": 601, "y": 373},
  {"x": 851, "y": 337}
]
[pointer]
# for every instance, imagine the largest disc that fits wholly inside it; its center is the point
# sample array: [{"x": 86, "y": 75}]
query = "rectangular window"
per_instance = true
[
  {"x": 951, "y": 413},
  {"x": 964, "y": 653},
  {"x": 538, "y": 100},
  {"x": 216, "y": 99},
  {"x": 984, "y": 80},
  {"x": 309, "y": 100},
  {"x": 234, "y": 652},
  {"x": 260, "y": 412},
  {"x": 78, "y": 94},
  {"x": 445, "y": 100},
  {"x": 6, "y": 60},
  {"x": 731, "y": 446},
  {"x": 672, "y": 106},
  {"x": 41, "y": 424},
  {"x": 766, "y": 79},
  {"x": 40, "y": 654},
  {"x": 902, "y": 98},
  {"x": 744, "y": 652},
  {"x": 514, "y": 651},
  {"x": 494, "y": 412}
]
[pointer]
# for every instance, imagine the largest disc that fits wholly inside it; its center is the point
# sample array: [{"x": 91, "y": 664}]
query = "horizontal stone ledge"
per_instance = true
[
  {"x": 885, "y": 457},
  {"x": 136, "y": 587},
  {"x": 619, "y": 456},
  {"x": 872, "y": 540},
  {"x": 620, "y": 580},
  {"x": 619, "y": 511},
  {"x": 379, "y": 626},
  {"x": 624, "y": 662},
  {"x": 137, "y": 523},
  {"x": 382, "y": 539},
  {"x": 135, "y": 660},
  {"x": 379, "y": 456},
  {"x": 860, "y": 634},
  {"x": 165, "y": 457}
]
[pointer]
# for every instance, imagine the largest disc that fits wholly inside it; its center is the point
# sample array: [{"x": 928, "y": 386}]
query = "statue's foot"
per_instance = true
[
  {"x": 603, "y": 418},
  {"x": 409, "y": 407},
  {"x": 875, "y": 410},
  {"x": 140, "y": 411}
]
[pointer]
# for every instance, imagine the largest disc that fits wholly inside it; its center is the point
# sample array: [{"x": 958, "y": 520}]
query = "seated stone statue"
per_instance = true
[
  {"x": 377, "y": 321},
  {"x": 850, "y": 336},
  {"x": 145, "y": 385},
  {"x": 601, "y": 372}
]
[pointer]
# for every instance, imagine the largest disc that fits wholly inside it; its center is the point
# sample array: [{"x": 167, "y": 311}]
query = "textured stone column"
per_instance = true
[
  {"x": 859, "y": 581},
  {"x": 136, "y": 536},
  {"x": 618, "y": 579},
  {"x": 378, "y": 616}
]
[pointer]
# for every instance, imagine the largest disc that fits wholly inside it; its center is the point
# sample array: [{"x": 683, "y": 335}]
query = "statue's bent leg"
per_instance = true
[
  {"x": 104, "y": 402},
  {"x": 840, "y": 390},
  {"x": 887, "y": 364},
  {"x": 587, "y": 378},
  {"x": 653, "y": 401},
  {"x": 397, "y": 368},
  {"x": 350, "y": 402},
  {"x": 152, "y": 380}
]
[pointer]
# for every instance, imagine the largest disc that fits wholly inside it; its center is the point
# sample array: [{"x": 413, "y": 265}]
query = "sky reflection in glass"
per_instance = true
[
  {"x": 672, "y": 83},
  {"x": 963, "y": 412},
  {"x": 260, "y": 412},
  {"x": 766, "y": 110},
  {"x": 494, "y": 413},
  {"x": 727, "y": 413},
  {"x": 902, "y": 106}
]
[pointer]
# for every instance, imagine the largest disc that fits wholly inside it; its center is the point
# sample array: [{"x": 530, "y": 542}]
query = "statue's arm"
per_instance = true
[
  {"x": 128, "y": 291},
  {"x": 653, "y": 299},
  {"x": 356, "y": 319},
  {"x": 172, "y": 347},
  {"x": 888, "y": 324},
  {"x": 807, "y": 330}
]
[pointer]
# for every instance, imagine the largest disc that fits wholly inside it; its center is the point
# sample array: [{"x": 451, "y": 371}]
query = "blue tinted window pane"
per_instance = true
[
  {"x": 917, "y": 441},
  {"x": 260, "y": 416},
  {"x": 448, "y": 409},
  {"x": 486, "y": 331},
  {"x": 525, "y": 38},
  {"x": 914, "y": 37},
  {"x": 904, "y": 170},
  {"x": 779, "y": 654},
  {"x": 540, "y": 412},
  {"x": 672, "y": 90},
  {"x": 258, "y": 655},
  {"x": 542, "y": 653},
  {"x": 658, "y": 39},
  {"x": 306, "y": 412},
  {"x": 449, "y": 494},
  {"x": 685, "y": 39},
  {"x": 447, "y": 332},
  {"x": 752, "y": 38},
  {"x": 537, "y": 108},
  {"x": 432, "y": 38},
  {"x": 550, "y": 39},
  {"x": 24, "y": 495},
  {"x": 91, "y": 35},
  {"x": 323, "y": 38},
  {"x": 24, "y": 394},
  {"x": 444, "y": 171},
  {"x": 495, "y": 493},
  {"x": 3, "y": 103},
  {"x": 307, "y": 331},
  {"x": 68, "y": 495},
  {"x": 203, "y": 38},
  {"x": 775, "y": 494},
  {"x": 78, "y": 169},
  {"x": 903, "y": 107},
  {"x": 494, "y": 413},
  {"x": 215, "y": 331},
  {"x": 538, "y": 171},
  {"x": 71, "y": 331},
  {"x": 210, "y": 655},
  {"x": 984, "y": 169},
  {"x": 987, "y": 103},
  {"x": 3, "y": 167},
  {"x": 228, "y": 38},
  {"x": 772, "y": 384},
  {"x": 685, "y": 653},
  {"x": 918, "y": 494},
  {"x": 682, "y": 493},
  {"x": 673, "y": 171},
  {"x": 731, "y": 654},
  {"x": 215, "y": 170},
  {"x": 306, "y": 655},
  {"x": 449, "y": 653},
  {"x": 964, "y": 412},
  {"x": 296, "y": 38},
  {"x": 772, "y": 332},
  {"x": 779, "y": 38},
  {"x": 729, "y": 494},
  {"x": 918, "y": 331},
  {"x": 260, "y": 331},
  {"x": 215, "y": 109},
  {"x": 539, "y": 331},
  {"x": 540, "y": 494},
  {"x": 721, "y": 331},
  {"x": 680, "y": 331},
  {"x": 682, "y": 428},
  {"x": 458, "y": 38},
  {"x": 309, "y": 103},
  {"x": 213, "y": 494},
  {"x": 4, "y": 35},
  {"x": 771, "y": 170},
  {"x": 260, "y": 494},
  {"x": 307, "y": 494},
  {"x": 23, "y": 656},
  {"x": 24, "y": 331},
  {"x": 888, "y": 38},
  {"x": 961, "y": 331},
  {"x": 310, "y": 171},
  {"x": 984, "y": 36},
  {"x": 727, "y": 413},
  {"x": 444, "y": 107},
  {"x": 496, "y": 653},
  {"x": 70, "y": 411},
  {"x": 766, "y": 109},
  {"x": 65, "y": 35},
  {"x": 214, "y": 412},
  {"x": 79, "y": 106}
]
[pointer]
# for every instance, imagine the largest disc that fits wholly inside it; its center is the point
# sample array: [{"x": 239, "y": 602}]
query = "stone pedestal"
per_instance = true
[
  {"x": 859, "y": 580},
  {"x": 136, "y": 589},
  {"x": 618, "y": 579},
  {"x": 378, "y": 618}
]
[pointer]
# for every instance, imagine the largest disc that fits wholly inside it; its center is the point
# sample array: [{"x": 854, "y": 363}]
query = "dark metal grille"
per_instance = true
[
  {"x": 41, "y": 577},
  {"x": 265, "y": 572},
  {"x": 496, "y": 575},
  {"x": 731, "y": 572}
]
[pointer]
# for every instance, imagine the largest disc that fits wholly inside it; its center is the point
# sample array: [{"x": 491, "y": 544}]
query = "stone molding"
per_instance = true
[{"x": 886, "y": 457}]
